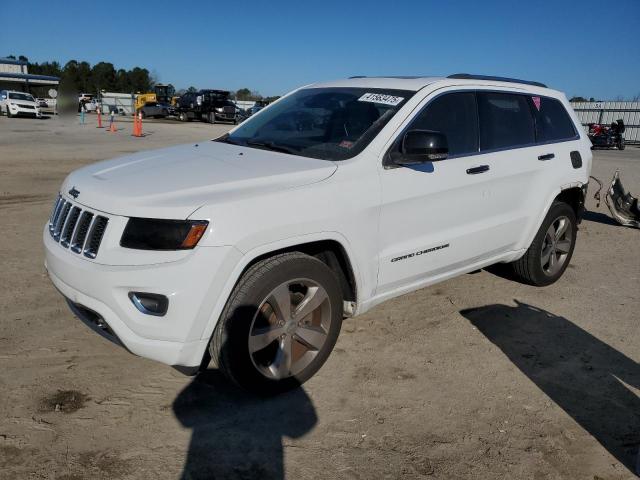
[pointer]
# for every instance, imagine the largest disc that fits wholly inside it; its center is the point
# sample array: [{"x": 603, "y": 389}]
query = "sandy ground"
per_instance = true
[{"x": 475, "y": 378}]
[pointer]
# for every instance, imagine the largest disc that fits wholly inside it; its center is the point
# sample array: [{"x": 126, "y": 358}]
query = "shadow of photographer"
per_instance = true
[
  {"x": 580, "y": 373},
  {"x": 237, "y": 435}
]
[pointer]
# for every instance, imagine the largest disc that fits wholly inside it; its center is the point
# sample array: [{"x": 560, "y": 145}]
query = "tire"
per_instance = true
[
  {"x": 533, "y": 268},
  {"x": 183, "y": 117},
  {"x": 621, "y": 144},
  {"x": 211, "y": 117},
  {"x": 144, "y": 115},
  {"x": 253, "y": 364},
  {"x": 9, "y": 115}
]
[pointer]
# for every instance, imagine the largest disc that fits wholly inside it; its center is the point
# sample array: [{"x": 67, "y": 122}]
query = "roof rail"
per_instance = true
[{"x": 467, "y": 76}]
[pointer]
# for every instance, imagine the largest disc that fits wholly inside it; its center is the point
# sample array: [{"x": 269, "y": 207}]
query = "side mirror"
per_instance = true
[{"x": 420, "y": 146}]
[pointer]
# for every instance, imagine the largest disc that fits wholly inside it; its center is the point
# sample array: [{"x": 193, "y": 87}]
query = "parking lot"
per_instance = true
[{"x": 478, "y": 377}]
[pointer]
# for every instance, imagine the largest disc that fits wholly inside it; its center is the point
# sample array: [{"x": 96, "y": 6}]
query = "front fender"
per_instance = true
[{"x": 247, "y": 257}]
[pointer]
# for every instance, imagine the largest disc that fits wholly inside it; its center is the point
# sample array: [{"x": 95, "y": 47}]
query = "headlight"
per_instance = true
[{"x": 153, "y": 234}]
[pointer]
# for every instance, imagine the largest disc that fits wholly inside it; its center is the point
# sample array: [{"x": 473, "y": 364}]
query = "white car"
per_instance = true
[
  {"x": 249, "y": 249},
  {"x": 14, "y": 103}
]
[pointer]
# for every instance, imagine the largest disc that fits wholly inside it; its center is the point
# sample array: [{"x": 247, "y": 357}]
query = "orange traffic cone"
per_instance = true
[
  {"x": 112, "y": 125},
  {"x": 140, "y": 125},
  {"x": 99, "y": 119},
  {"x": 135, "y": 124}
]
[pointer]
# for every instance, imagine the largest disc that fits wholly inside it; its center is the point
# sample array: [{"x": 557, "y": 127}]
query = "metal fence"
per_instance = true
[{"x": 607, "y": 112}]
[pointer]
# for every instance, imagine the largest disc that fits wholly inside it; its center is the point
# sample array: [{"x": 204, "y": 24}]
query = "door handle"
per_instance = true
[
  {"x": 548, "y": 156},
  {"x": 478, "y": 169}
]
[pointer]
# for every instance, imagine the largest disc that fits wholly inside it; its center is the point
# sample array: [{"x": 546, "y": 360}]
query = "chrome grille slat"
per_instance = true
[
  {"x": 55, "y": 209},
  {"x": 69, "y": 226},
  {"x": 64, "y": 212},
  {"x": 95, "y": 237},
  {"x": 80, "y": 235},
  {"x": 55, "y": 214},
  {"x": 77, "y": 229}
]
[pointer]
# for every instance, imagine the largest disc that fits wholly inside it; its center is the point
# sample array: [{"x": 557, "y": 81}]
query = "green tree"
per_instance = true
[
  {"x": 192, "y": 90},
  {"x": 46, "y": 68},
  {"x": 103, "y": 77},
  {"x": 69, "y": 78},
  {"x": 243, "y": 94},
  {"x": 123, "y": 83},
  {"x": 140, "y": 80}
]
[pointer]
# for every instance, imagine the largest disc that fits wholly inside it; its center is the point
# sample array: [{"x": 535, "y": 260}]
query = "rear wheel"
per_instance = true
[
  {"x": 279, "y": 325},
  {"x": 550, "y": 252},
  {"x": 211, "y": 117}
]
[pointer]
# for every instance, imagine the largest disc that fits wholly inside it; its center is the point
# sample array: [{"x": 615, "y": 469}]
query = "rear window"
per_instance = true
[
  {"x": 552, "y": 120},
  {"x": 506, "y": 121}
]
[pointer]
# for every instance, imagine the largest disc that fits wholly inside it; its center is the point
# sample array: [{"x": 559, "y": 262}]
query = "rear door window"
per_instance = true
[
  {"x": 552, "y": 120},
  {"x": 453, "y": 114},
  {"x": 506, "y": 121}
]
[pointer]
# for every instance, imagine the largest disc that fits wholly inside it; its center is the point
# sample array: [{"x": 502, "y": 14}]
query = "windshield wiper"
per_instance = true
[{"x": 271, "y": 146}]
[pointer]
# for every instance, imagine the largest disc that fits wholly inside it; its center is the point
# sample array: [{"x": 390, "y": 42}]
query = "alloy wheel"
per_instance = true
[
  {"x": 556, "y": 245},
  {"x": 290, "y": 328}
]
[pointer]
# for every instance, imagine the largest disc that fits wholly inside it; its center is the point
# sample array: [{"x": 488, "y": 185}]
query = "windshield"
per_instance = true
[
  {"x": 324, "y": 123},
  {"x": 21, "y": 96}
]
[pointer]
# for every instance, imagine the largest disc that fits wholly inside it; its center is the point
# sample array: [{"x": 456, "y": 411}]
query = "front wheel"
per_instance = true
[
  {"x": 279, "y": 325},
  {"x": 550, "y": 252},
  {"x": 9, "y": 113}
]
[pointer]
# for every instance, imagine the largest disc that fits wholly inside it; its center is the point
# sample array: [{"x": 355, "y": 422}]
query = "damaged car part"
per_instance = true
[{"x": 622, "y": 205}]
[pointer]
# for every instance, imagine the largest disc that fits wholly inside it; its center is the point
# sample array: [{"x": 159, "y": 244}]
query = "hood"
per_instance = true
[{"x": 174, "y": 182}]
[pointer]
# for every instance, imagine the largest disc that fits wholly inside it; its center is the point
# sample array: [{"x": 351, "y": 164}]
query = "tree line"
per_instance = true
[{"x": 81, "y": 76}]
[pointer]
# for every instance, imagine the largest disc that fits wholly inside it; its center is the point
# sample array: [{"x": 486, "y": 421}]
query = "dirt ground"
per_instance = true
[{"x": 475, "y": 378}]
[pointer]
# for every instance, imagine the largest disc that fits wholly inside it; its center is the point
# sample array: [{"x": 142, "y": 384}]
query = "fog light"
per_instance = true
[{"x": 150, "y": 303}]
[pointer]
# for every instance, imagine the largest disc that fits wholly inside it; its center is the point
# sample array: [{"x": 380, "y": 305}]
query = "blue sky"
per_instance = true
[{"x": 585, "y": 47}]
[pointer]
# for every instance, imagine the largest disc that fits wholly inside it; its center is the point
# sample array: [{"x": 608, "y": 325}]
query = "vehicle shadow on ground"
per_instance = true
[
  {"x": 237, "y": 435},
  {"x": 580, "y": 373},
  {"x": 598, "y": 217}
]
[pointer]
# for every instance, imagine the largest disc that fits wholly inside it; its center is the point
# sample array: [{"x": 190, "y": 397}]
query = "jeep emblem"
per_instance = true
[{"x": 74, "y": 193}]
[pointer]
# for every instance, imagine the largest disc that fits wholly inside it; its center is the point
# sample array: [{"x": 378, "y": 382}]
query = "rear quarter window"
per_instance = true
[
  {"x": 506, "y": 120},
  {"x": 553, "y": 123}
]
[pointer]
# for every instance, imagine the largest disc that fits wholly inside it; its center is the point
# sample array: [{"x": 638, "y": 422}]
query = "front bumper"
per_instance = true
[
  {"x": 98, "y": 295},
  {"x": 16, "y": 110}
]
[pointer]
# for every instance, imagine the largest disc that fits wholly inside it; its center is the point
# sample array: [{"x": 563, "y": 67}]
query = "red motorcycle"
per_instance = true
[{"x": 607, "y": 136}]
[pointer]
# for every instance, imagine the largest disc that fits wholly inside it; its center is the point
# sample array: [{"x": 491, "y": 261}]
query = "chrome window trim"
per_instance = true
[{"x": 388, "y": 164}]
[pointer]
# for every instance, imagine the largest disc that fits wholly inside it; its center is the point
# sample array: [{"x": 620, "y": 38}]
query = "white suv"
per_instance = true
[
  {"x": 14, "y": 103},
  {"x": 249, "y": 249}
]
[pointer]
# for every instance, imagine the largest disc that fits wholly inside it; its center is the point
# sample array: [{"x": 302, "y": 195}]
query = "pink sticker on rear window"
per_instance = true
[{"x": 536, "y": 102}]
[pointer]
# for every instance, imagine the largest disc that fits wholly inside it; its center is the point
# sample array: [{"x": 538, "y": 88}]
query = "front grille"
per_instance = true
[
  {"x": 30, "y": 107},
  {"x": 79, "y": 230}
]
